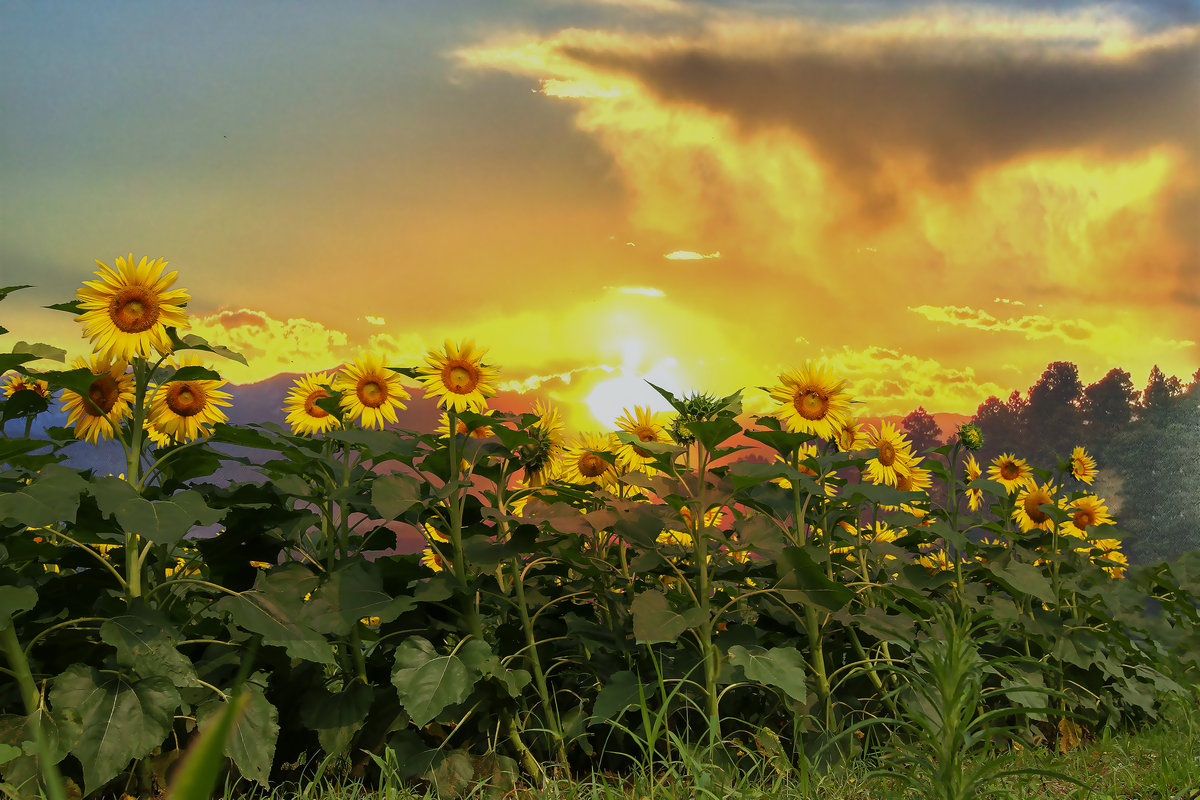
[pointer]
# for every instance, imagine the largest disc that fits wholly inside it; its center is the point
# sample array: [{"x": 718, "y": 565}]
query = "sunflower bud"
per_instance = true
[{"x": 970, "y": 436}]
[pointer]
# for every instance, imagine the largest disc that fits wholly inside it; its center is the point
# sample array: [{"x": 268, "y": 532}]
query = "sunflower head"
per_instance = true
[
  {"x": 1010, "y": 471},
  {"x": 973, "y": 471},
  {"x": 108, "y": 403},
  {"x": 970, "y": 436},
  {"x": 127, "y": 311},
  {"x": 541, "y": 458},
  {"x": 695, "y": 407},
  {"x": 370, "y": 392},
  {"x": 850, "y": 435},
  {"x": 1082, "y": 466},
  {"x": 303, "y": 413},
  {"x": 812, "y": 399},
  {"x": 457, "y": 376},
  {"x": 894, "y": 459},
  {"x": 587, "y": 461},
  {"x": 1086, "y": 512},
  {"x": 1029, "y": 513},
  {"x": 183, "y": 410},
  {"x": 644, "y": 424},
  {"x": 23, "y": 383}
]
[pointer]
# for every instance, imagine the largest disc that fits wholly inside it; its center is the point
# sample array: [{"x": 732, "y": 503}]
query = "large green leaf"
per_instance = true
[
  {"x": 14, "y": 600},
  {"x": 1024, "y": 578},
  {"x": 427, "y": 682},
  {"x": 779, "y": 666},
  {"x": 803, "y": 579},
  {"x": 159, "y": 521},
  {"x": 394, "y": 494},
  {"x": 619, "y": 693},
  {"x": 52, "y": 497},
  {"x": 262, "y": 614},
  {"x": 255, "y": 733},
  {"x": 145, "y": 642},
  {"x": 655, "y": 621},
  {"x": 336, "y": 716},
  {"x": 352, "y": 591},
  {"x": 59, "y": 731},
  {"x": 122, "y": 719}
]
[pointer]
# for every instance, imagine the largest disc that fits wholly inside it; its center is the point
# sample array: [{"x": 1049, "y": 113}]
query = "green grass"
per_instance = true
[{"x": 1158, "y": 762}]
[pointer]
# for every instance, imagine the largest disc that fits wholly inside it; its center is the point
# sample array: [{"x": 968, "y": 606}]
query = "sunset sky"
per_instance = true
[{"x": 937, "y": 199}]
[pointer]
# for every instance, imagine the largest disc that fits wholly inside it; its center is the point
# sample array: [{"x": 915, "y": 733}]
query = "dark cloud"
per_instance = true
[{"x": 957, "y": 107}]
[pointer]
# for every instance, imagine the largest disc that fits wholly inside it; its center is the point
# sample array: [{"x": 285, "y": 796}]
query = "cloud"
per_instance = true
[
  {"x": 270, "y": 345},
  {"x": 375, "y": 320},
  {"x": 1038, "y": 326},
  {"x": 690, "y": 255},
  {"x": 646, "y": 291},
  {"x": 534, "y": 382},
  {"x": 889, "y": 381}
]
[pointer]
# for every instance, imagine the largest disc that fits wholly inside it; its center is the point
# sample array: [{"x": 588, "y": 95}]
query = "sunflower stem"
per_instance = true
[
  {"x": 51, "y": 778},
  {"x": 469, "y": 611}
]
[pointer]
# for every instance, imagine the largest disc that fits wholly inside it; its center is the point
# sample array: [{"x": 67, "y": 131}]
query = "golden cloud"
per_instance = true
[
  {"x": 888, "y": 381},
  {"x": 270, "y": 345}
]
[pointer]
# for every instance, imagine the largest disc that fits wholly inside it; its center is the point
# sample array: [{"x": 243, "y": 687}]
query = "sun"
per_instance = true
[
  {"x": 303, "y": 413},
  {"x": 370, "y": 392},
  {"x": 108, "y": 402},
  {"x": 127, "y": 312},
  {"x": 458, "y": 378}
]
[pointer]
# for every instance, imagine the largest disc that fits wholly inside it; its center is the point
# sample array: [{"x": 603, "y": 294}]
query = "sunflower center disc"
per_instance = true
[
  {"x": 310, "y": 405},
  {"x": 371, "y": 394},
  {"x": 887, "y": 454},
  {"x": 133, "y": 310},
  {"x": 460, "y": 378},
  {"x": 592, "y": 465},
  {"x": 1031, "y": 508},
  {"x": 1009, "y": 471},
  {"x": 186, "y": 400},
  {"x": 812, "y": 405},
  {"x": 1082, "y": 519},
  {"x": 103, "y": 392}
]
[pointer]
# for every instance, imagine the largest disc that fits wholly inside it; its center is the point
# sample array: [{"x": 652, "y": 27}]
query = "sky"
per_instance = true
[{"x": 935, "y": 199}]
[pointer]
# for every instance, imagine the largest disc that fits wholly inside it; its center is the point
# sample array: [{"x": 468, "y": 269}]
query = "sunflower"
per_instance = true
[
  {"x": 20, "y": 383},
  {"x": 1010, "y": 471},
  {"x": 644, "y": 424},
  {"x": 806, "y": 451},
  {"x": 850, "y": 435},
  {"x": 186, "y": 410},
  {"x": 1029, "y": 513},
  {"x": 974, "y": 496},
  {"x": 458, "y": 377},
  {"x": 431, "y": 556},
  {"x": 936, "y": 561},
  {"x": 584, "y": 461},
  {"x": 542, "y": 459},
  {"x": 895, "y": 457},
  {"x": 812, "y": 400},
  {"x": 1086, "y": 512},
  {"x": 303, "y": 413},
  {"x": 1110, "y": 559},
  {"x": 108, "y": 401},
  {"x": 460, "y": 426},
  {"x": 371, "y": 392},
  {"x": 127, "y": 312},
  {"x": 1083, "y": 466}
]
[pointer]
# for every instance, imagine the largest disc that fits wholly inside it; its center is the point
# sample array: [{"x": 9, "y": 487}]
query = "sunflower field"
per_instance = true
[{"x": 785, "y": 591}]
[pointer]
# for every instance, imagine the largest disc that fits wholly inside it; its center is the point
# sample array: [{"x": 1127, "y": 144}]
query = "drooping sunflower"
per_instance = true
[
  {"x": 1011, "y": 472},
  {"x": 973, "y": 471},
  {"x": 936, "y": 561},
  {"x": 1029, "y": 513},
  {"x": 371, "y": 392},
  {"x": 186, "y": 410},
  {"x": 127, "y": 312},
  {"x": 812, "y": 400},
  {"x": 683, "y": 538},
  {"x": 20, "y": 383},
  {"x": 584, "y": 461},
  {"x": 1083, "y": 466},
  {"x": 108, "y": 401},
  {"x": 433, "y": 556},
  {"x": 303, "y": 414},
  {"x": 895, "y": 458},
  {"x": 458, "y": 377},
  {"x": 1086, "y": 512},
  {"x": 542, "y": 459},
  {"x": 1110, "y": 558},
  {"x": 460, "y": 426},
  {"x": 644, "y": 424}
]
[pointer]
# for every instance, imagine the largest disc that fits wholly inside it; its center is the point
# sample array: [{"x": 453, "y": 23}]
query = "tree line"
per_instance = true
[{"x": 1146, "y": 443}]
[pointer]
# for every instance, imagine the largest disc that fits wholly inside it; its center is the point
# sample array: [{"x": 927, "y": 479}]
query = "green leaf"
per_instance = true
[
  {"x": 711, "y": 433},
  {"x": 191, "y": 373},
  {"x": 618, "y": 694},
  {"x": 394, "y": 494},
  {"x": 655, "y": 621},
  {"x": 1026, "y": 579},
  {"x": 25, "y": 403},
  {"x": 782, "y": 442},
  {"x": 336, "y": 716},
  {"x": 251, "y": 744},
  {"x": 352, "y": 591},
  {"x": 46, "y": 351},
  {"x": 426, "y": 682},
  {"x": 52, "y": 497},
  {"x": 197, "y": 775},
  {"x": 801, "y": 576},
  {"x": 145, "y": 642},
  {"x": 160, "y": 521},
  {"x": 14, "y": 600},
  {"x": 122, "y": 719},
  {"x": 8, "y": 753},
  {"x": 194, "y": 342},
  {"x": 780, "y": 666},
  {"x": 12, "y": 360},
  {"x": 7, "y": 290},
  {"x": 71, "y": 307},
  {"x": 272, "y": 610}
]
